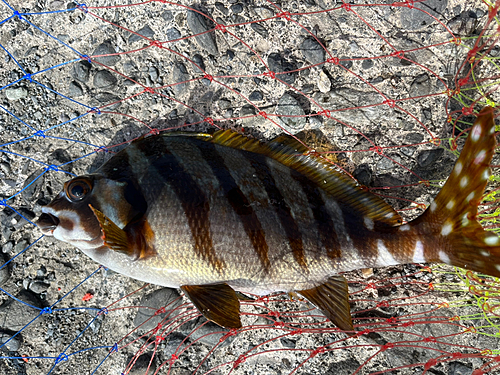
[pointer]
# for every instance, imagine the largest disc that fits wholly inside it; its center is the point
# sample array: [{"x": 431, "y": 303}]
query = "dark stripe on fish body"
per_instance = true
[
  {"x": 282, "y": 209},
  {"x": 239, "y": 202},
  {"x": 324, "y": 220},
  {"x": 194, "y": 201}
]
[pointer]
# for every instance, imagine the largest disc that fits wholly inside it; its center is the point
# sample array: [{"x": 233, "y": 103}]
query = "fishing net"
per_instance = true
[{"x": 386, "y": 91}]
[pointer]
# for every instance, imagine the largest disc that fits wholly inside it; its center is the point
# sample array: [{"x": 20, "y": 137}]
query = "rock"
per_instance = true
[
  {"x": 105, "y": 49},
  {"x": 289, "y": 106},
  {"x": 5, "y": 268},
  {"x": 15, "y": 315},
  {"x": 278, "y": 64},
  {"x": 167, "y": 16},
  {"x": 421, "y": 85},
  {"x": 143, "y": 365},
  {"x": 173, "y": 33},
  {"x": 198, "y": 24},
  {"x": 9, "y": 341},
  {"x": 8, "y": 247},
  {"x": 198, "y": 59},
  {"x": 458, "y": 368},
  {"x": 386, "y": 164},
  {"x": 260, "y": 29},
  {"x": 39, "y": 287},
  {"x": 363, "y": 174},
  {"x": 81, "y": 71},
  {"x": 221, "y": 8},
  {"x": 237, "y": 8},
  {"x": 312, "y": 51},
  {"x": 367, "y": 64},
  {"x": 414, "y": 19},
  {"x": 74, "y": 89},
  {"x": 162, "y": 298},
  {"x": 33, "y": 185},
  {"x": 256, "y": 96},
  {"x": 153, "y": 73},
  {"x": 180, "y": 74},
  {"x": 426, "y": 158},
  {"x": 61, "y": 156},
  {"x": 414, "y": 138},
  {"x": 107, "y": 97},
  {"x": 16, "y": 93},
  {"x": 146, "y": 31},
  {"x": 104, "y": 79},
  {"x": 209, "y": 333},
  {"x": 324, "y": 83}
]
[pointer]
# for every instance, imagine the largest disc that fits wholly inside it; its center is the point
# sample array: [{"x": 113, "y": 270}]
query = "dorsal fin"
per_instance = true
[{"x": 295, "y": 155}]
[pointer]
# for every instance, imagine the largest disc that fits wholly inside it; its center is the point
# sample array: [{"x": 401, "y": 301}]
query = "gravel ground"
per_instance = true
[{"x": 233, "y": 85}]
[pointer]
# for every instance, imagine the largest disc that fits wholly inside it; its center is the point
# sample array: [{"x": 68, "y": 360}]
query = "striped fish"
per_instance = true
[{"x": 215, "y": 214}]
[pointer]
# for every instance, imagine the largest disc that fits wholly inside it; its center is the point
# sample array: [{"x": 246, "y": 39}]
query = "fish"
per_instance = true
[{"x": 220, "y": 215}]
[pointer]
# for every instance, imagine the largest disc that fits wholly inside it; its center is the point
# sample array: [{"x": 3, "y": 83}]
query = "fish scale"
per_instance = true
[{"x": 212, "y": 214}]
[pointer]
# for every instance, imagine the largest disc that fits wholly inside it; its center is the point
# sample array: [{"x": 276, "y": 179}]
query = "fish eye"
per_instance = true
[{"x": 77, "y": 189}]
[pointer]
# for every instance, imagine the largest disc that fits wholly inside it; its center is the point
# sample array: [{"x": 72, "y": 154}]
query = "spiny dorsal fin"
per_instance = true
[{"x": 293, "y": 154}]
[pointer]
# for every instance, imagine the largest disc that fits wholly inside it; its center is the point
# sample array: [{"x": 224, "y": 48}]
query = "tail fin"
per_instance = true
[{"x": 461, "y": 240}]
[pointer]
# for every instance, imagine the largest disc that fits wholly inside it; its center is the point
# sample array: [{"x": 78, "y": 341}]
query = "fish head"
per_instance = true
[{"x": 70, "y": 218}]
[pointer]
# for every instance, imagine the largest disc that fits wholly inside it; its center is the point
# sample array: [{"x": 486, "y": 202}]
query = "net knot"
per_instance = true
[
  {"x": 220, "y": 27},
  {"x": 457, "y": 40},
  {"x": 430, "y": 339},
  {"x": 409, "y": 4},
  {"x": 149, "y": 90},
  {"x": 317, "y": 351},
  {"x": 18, "y": 15},
  {"x": 333, "y": 60},
  {"x": 430, "y": 363},
  {"x": 28, "y": 77},
  {"x": 431, "y": 286},
  {"x": 467, "y": 110},
  {"x": 408, "y": 324},
  {"x": 209, "y": 77},
  {"x": 399, "y": 54},
  {"x": 377, "y": 149},
  {"x": 347, "y": 7},
  {"x": 61, "y": 357},
  {"x": 435, "y": 141},
  {"x": 154, "y": 131},
  {"x": 46, "y": 310},
  {"x": 471, "y": 55},
  {"x": 371, "y": 286},
  {"x": 389, "y": 345},
  {"x": 285, "y": 15},
  {"x": 232, "y": 332},
  {"x": 270, "y": 74},
  {"x": 40, "y": 133},
  {"x": 477, "y": 372},
  {"x": 383, "y": 304},
  {"x": 239, "y": 361},
  {"x": 102, "y": 148},
  {"x": 157, "y": 328},
  {"x": 391, "y": 103},
  {"x": 87, "y": 297},
  {"x": 392, "y": 320},
  {"x": 159, "y": 339},
  {"x": 279, "y": 324},
  {"x": 263, "y": 114},
  {"x": 172, "y": 359},
  {"x": 156, "y": 43},
  {"x": 327, "y": 113},
  {"x": 86, "y": 57},
  {"x": 462, "y": 82},
  {"x": 3, "y": 203},
  {"x": 95, "y": 110},
  {"x": 209, "y": 120},
  {"x": 160, "y": 311},
  {"x": 83, "y": 7},
  {"x": 274, "y": 313},
  {"x": 52, "y": 167},
  {"x": 298, "y": 331},
  {"x": 114, "y": 348},
  {"x": 102, "y": 311}
]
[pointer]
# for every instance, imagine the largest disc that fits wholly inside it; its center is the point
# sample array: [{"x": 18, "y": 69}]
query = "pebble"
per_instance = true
[
  {"x": 81, "y": 71},
  {"x": 146, "y": 31},
  {"x": 221, "y": 8},
  {"x": 15, "y": 315},
  {"x": 74, "y": 89},
  {"x": 367, "y": 64},
  {"x": 289, "y": 106},
  {"x": 173, "y": 33},
  {"x": 413, "y": 18},
  {"x": 104, "y": 79},
  {"x": 208, "y": 333},
  {"x": 385, "y": 164},
  {"x": 421, "y": 85},
  {"x": 278, "y": 64},
  {"x": 458, "y": 368},
  {"x": 167, "y": 16},
  {"x": 363, "y": 174},
  {"x": 426, "y": 158},
  {"x": 264, "y": 12},
  {"x": 324, "y": 83},
  {"x": 107, "y": 97},
  {"x": 180, "y": 74},
  {"x": 260, "y": 29},
  {"x": 30, "y": 193},
  {"x": 7, "y": 341},
  {"x": 156, "y": 300},
  {"x": 256, "y": 96},
  {"x": 237, "y": 8},
  {"x": 4, "y": 268},
  {"x": 39, "y": 287},
  {"x": 153, "y": 73},
  {"x": 199, "y": 24},
  {"x": 61, "y": 156},
  {"x": 414, "y": 138},
  {"x": 198, "y": 59},
  {"x": 16, "y": 93},
  {"x": 312, "y": 51},
  {"x": 144, "y": 365},
  {"x": 8, "y": 247},
  {"x": 105, "y": 49}
]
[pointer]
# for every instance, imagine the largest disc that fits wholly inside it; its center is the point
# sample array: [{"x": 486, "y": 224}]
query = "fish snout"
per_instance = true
[{"x": 47, "y": 223}]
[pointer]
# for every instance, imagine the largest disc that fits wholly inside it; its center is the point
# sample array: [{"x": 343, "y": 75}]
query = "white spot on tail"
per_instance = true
[
  {"x": 463, "y": 182},
  {"x": 486, "y": 174},
  {"x": 368, "y": 223},
  {"x": 492, "y": 240},
  {"x": 480, "y": 157},
  {"x": 450, "y": 204},
  {"x": 404, "y": 228},
  {"x": 484, "y": 253},
  {"x": 418, "y": 254},
  {"x": 443, "y": 257},
  {"x": 458, "y": 168},
  {"x": 384, "y": 258},
  {"x": 446, "y": 229},
  {"x": 469, "y": 197},
  {"x": 497, "y": 266},
  {"x": 465, "y": 220},
  {"x": 492, "y": 130},
  {"x": 433, "y": 206},
  {"x": 476, "y": 133}
]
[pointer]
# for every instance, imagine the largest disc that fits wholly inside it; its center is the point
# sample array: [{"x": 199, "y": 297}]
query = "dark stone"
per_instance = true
[
  {"x": 16, "y": 315},
  {"x": 221, "y": 8},
  {"x": 33, "y": 185},
  {"x": 237, "y": 8},
  {"x": 167, "y": 16},
  {"x": 260, "y": 29},
  {"x": 39, "y": 287},
  {"x": 81, "y": 71},
  {"x": 10, "y": 342},
  {"x": 104, "y": 79},
  {"x": 363, "y": 174},
  {"x": 367, "y": 64},
  {"x": 106, "y": 98},
  {"x": 105, "y": 49},
  {"x": 74, "y": 89},
  {"x": 173, "y": 33},
  {"x": 145, "y": 31},
  {"x": 256, "y": 96},
  {"x": 147, "y": 318},
  {"x": 5, "y": 269},
  {"x": 312, "y": 51},
  {"x": 414, "y": 138},
  {"x": 278, "y": 64},
  {"x": 180, "y": 74},
  {"x": 426, "y": 158},
  {"x": 199, "y": 24},
  {"x": 198, "y": 59},
  {"x": 458, "y": 368}
]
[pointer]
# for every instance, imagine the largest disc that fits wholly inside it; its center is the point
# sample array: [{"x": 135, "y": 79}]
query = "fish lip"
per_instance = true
[{"x": 47, "y": 223}]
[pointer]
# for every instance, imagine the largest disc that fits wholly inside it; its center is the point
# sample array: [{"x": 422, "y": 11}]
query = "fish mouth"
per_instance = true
[{"x": 47, "y": 223}]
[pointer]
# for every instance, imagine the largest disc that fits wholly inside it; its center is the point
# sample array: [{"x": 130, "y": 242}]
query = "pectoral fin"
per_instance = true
[
  {"x": 114, "y": 237},
  {"x": 332, "y": 298},
  {"x": 218, "y": 303}
]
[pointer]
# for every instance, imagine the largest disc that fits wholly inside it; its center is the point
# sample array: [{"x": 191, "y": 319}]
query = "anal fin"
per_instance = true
[
  {"x": 217, "y": 302},
  {"x": 332, "y": 298}
]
